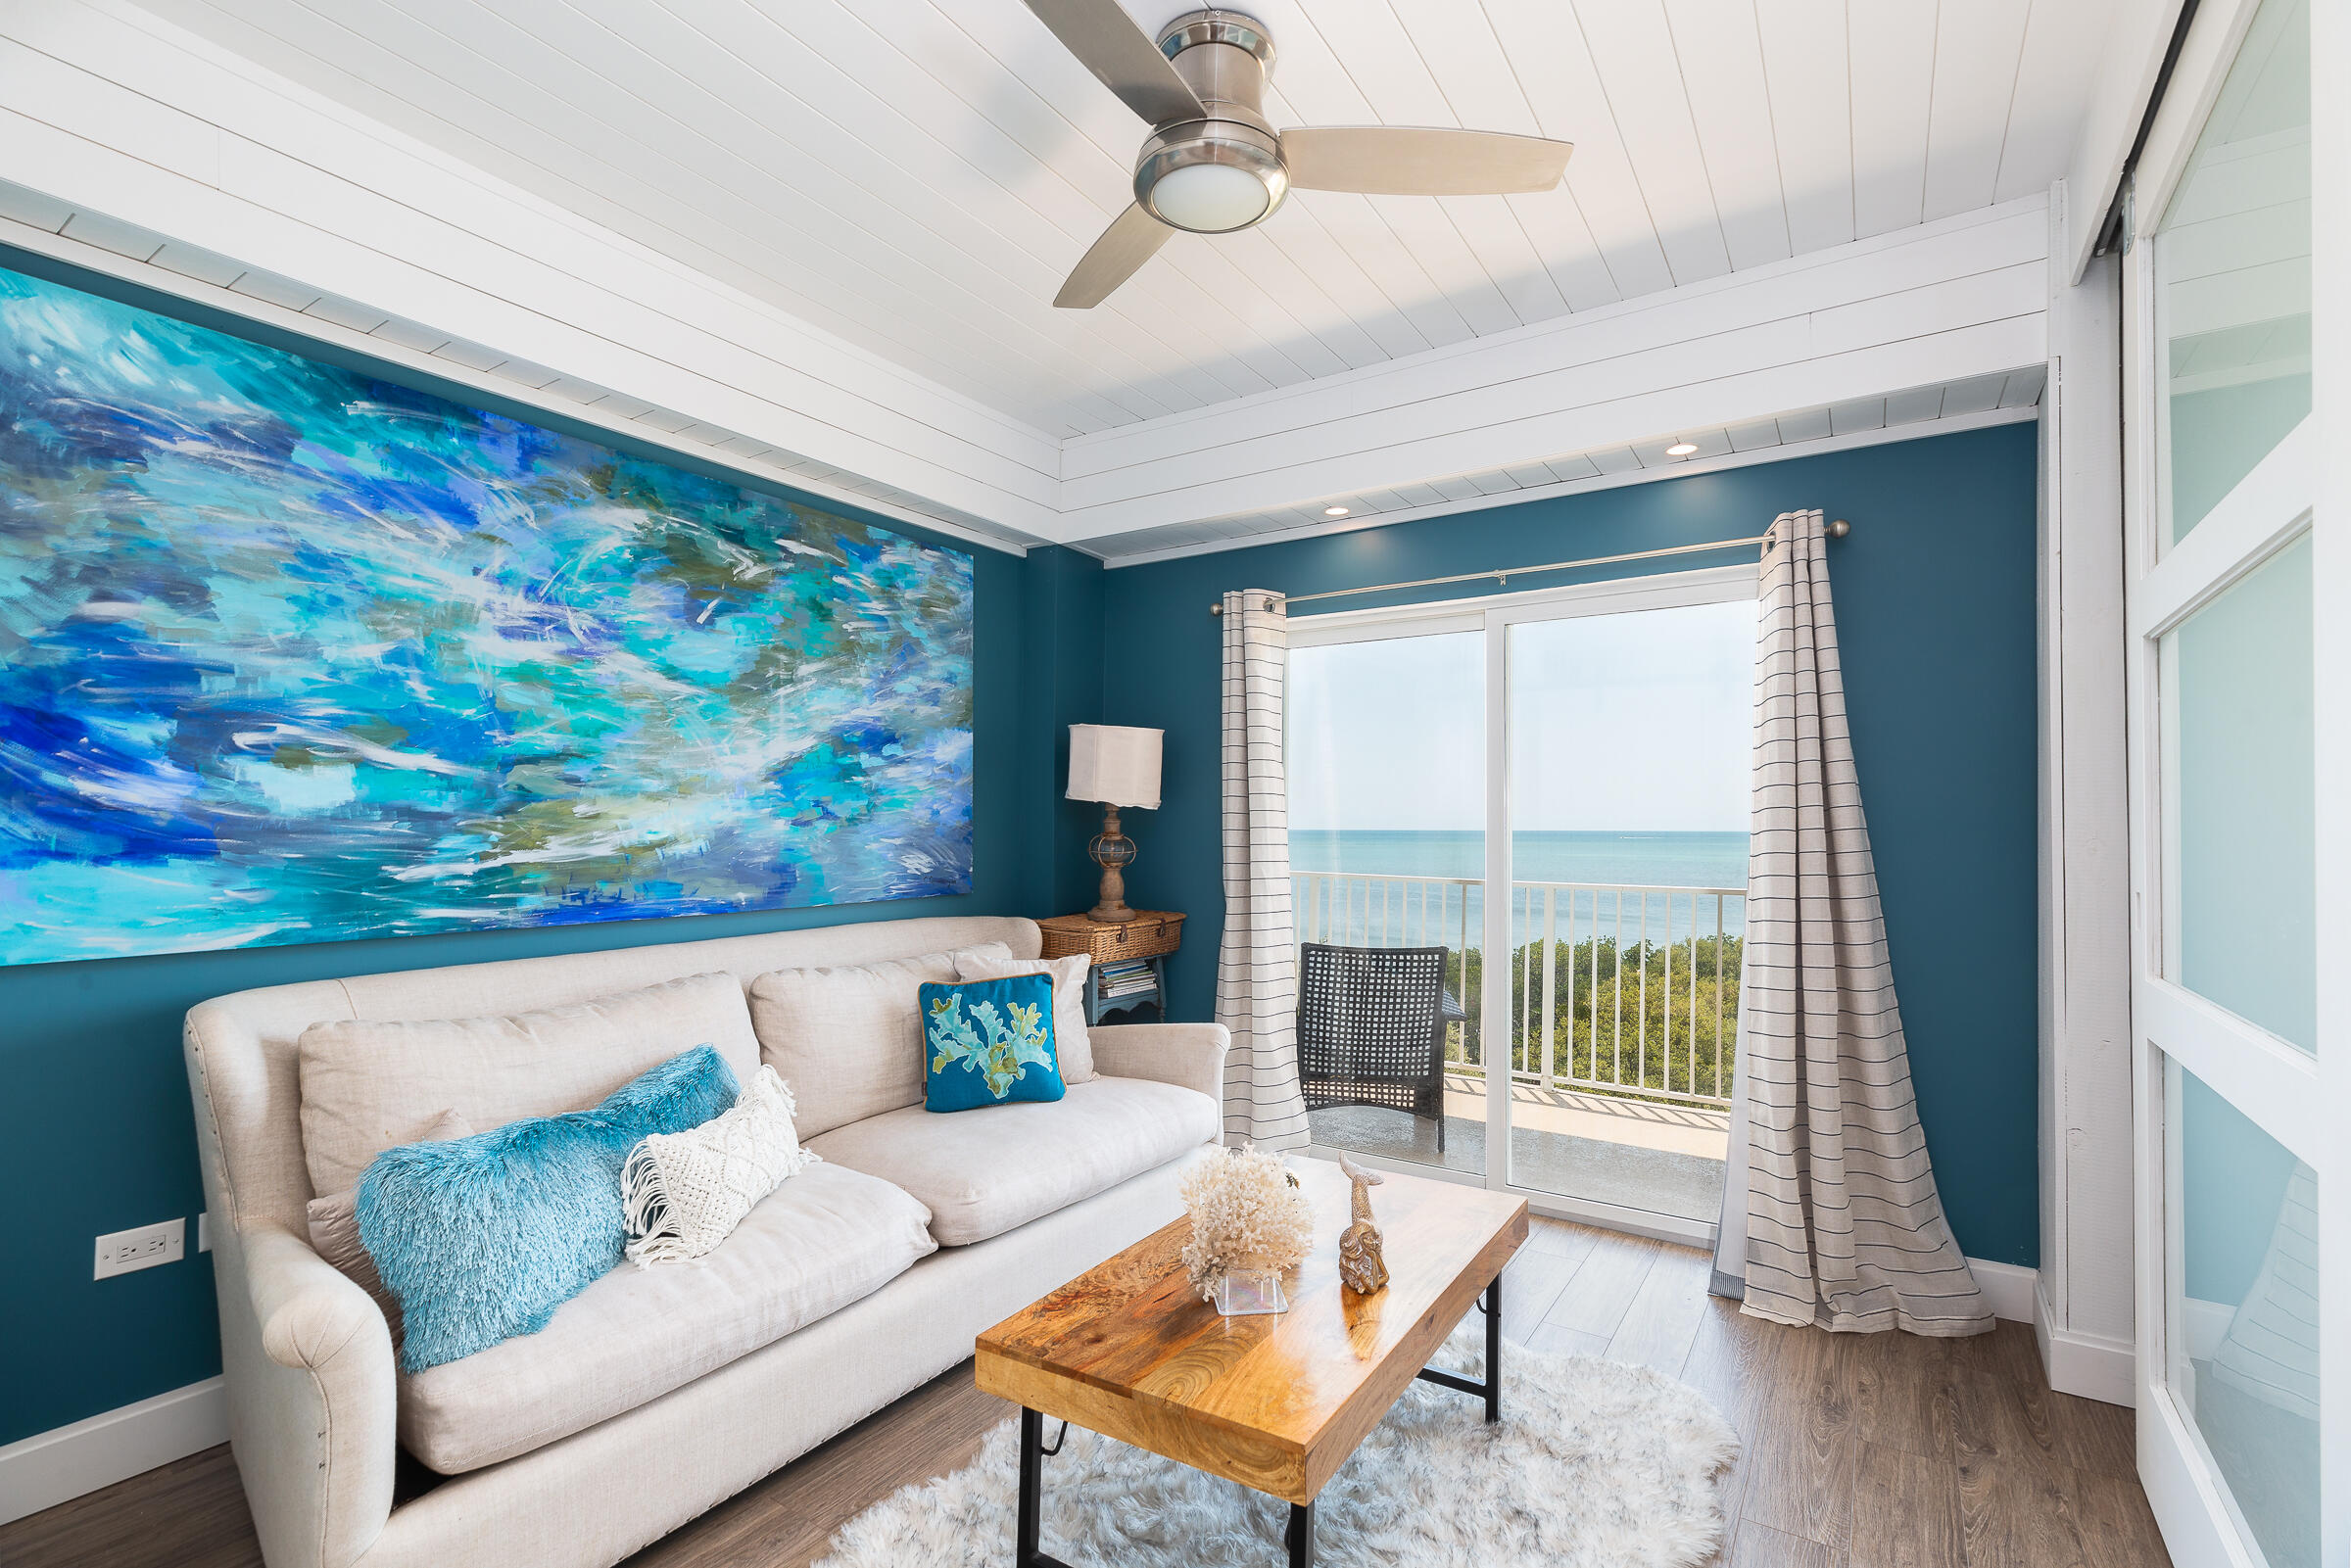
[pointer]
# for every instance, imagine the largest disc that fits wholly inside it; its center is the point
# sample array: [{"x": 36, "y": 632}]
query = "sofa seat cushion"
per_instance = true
[
  {"x": 984, "y": 1173},
  {"x": 824, "y": 1238}
]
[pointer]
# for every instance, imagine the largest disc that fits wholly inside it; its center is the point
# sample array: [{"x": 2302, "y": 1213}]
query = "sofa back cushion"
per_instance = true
[
  {"x": 848, "y": 1041},
  {"x": 366, "y": 1085}
]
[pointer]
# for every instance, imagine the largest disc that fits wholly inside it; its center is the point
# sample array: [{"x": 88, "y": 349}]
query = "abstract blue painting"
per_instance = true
[{"x": 291, "y": 654}]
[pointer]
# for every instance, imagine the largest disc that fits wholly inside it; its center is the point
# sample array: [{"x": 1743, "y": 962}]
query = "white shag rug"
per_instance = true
[{"x": 1595, "y": 1464}]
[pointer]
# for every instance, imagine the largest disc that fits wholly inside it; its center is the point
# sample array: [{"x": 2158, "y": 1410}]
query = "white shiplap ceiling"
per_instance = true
[{"x": 917, "y": 176}]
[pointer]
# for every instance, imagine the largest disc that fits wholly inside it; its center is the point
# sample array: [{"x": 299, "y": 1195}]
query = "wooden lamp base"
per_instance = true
[{"x": 1114, "y": 852}]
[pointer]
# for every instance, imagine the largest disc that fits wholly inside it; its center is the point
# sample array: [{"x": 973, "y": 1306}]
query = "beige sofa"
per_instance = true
[{"x": 654, "y": 1393}]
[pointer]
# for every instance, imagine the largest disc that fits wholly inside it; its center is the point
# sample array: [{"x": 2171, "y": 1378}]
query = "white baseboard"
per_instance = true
[
  {"x": 2091, "y": 1366},
  {"x": 2011, "y": 1289},
  {"x": 48, "y": 1468}
]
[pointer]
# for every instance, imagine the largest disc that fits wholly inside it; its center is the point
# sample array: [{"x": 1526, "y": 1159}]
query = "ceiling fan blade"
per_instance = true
[
  {"x": 1420, "y": 160},
  {"x": 1133, "y": 237},
  {"x": 1108, "y": 43}
]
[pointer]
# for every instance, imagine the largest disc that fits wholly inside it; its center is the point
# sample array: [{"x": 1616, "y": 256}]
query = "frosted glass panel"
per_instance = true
[
  {"x": 2234, "y": 260},
  {"x": 2243, "y": 1336},
  {"x": 2241, "y": 799}
]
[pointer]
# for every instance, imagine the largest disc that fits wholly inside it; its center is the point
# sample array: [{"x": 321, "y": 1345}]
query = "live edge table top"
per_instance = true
[{"x": 1278, "y": 1402}]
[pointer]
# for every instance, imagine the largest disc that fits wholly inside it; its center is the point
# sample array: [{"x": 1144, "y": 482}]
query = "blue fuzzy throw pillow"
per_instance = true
[
  {"x": 986, "y": 1042},
  {"x": 482, "y": 1237}
]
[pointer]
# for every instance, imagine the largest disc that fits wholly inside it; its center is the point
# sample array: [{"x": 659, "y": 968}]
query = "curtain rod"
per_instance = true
[{"x": 1836, "y": 529}]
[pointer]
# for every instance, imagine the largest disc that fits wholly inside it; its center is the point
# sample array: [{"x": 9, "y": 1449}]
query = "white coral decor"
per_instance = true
[{"x": 1246, "y": 1212}]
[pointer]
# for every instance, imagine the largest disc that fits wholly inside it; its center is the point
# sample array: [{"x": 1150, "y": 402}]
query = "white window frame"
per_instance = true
[
  {"x": 1492, "y": 616},
  {"x": 2297, "y": 1099}
]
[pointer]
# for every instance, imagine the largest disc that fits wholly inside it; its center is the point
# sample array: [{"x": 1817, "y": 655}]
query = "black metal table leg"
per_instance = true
[
  {"x": 1300, "y": 1537},
  {"x": 1491, "y": 1389},
  {"x": 1024, "y": 1553},
  {"x": 1494, "y": 1349}
]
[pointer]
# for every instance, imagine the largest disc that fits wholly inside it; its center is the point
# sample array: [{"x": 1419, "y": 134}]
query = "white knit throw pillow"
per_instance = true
[{"x": 683, "y": 1193}]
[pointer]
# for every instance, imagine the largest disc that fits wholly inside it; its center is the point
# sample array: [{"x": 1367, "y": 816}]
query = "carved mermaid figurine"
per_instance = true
[{"x": 1362, "y": 1268}]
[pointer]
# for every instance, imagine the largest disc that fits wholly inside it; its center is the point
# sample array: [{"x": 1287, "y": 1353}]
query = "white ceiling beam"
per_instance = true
[{"x": 1962, "y": 298}]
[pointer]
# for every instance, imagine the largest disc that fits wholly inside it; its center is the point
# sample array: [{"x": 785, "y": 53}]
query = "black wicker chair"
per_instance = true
[{"x": 1371, "y": 1026}]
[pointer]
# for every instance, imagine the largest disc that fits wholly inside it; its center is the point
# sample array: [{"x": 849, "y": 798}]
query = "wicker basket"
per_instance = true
[{"x": 1149, "y": 934}]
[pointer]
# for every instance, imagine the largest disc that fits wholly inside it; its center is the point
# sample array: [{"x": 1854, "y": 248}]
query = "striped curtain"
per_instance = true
[
  {"x": 1844, "y": 1228},
  {"x": 1257, "y": 975}
]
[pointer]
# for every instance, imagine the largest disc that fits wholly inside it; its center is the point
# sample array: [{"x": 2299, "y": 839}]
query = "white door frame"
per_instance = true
[
  {"x": 1493, "y": 615},
  {"x": 2298, "y": 1101}
]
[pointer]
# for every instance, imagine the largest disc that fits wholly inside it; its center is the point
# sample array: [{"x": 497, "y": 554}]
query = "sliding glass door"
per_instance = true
[
  {"x": 1552, "y": 788},
  {"x": 1387, "y": 769},
  {"x": 2237, "y": 1103},
  {"x": 1628, "y": 804}
]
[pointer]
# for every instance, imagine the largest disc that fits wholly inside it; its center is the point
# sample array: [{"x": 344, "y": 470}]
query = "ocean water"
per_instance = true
[{"x": 1380, "y": 901}]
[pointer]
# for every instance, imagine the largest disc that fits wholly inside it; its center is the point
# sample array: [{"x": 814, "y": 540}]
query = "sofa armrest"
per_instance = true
[
  {"x": 315, "y": 1421},
  {"x": 1191, "y": 1055}
]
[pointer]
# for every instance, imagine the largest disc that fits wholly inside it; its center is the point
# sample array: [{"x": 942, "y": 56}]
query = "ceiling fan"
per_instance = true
[{"x": 1212, "y": 164}]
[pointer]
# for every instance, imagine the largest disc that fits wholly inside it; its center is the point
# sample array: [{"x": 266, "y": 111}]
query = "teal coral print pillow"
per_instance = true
[{"x": 988, "y": 1042}]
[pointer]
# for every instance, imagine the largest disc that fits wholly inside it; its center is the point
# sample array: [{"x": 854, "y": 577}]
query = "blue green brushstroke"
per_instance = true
[{"x": 291, "y": 654}]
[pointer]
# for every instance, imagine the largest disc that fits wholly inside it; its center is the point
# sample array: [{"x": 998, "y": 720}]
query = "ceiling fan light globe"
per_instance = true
[
  {"x": 1210, "y": 179},
  {"x": 1210, "y": 198}
]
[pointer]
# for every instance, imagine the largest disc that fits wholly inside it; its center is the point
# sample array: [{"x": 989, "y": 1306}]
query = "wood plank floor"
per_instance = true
[{"x": 1859, "y": 1452}]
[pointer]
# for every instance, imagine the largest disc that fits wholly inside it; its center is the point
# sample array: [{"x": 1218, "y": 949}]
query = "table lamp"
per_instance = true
[{"x": 1119, "y": 767}]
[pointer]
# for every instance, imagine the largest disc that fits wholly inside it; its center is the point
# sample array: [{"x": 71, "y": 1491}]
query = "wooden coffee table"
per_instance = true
[{"x": 1274, "y": 1403}]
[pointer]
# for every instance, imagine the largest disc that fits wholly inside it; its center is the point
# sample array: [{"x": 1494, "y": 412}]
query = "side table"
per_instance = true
[{"x": 1146, "y": 940}]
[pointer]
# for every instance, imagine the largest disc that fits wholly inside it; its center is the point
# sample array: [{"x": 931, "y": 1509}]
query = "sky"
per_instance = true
[{"x": 1632, "y": 723}]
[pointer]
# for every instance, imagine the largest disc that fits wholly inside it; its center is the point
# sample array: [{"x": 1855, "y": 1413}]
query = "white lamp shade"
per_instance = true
[{"x": 1111, "y": 763}]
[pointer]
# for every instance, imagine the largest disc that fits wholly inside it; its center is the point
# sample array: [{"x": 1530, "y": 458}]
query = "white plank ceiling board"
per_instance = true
[
  {"x": 1480, "y": 86},
  {"x": 916, "y": 177},
  {"x": 1891, "y": 54},
  {"x": 1365, "y": 58},
  {"x": 1718, "y": 48},
  {"x": 1806, "y": 73},
  {"x": 1809, "y": 424},
  {"x": 2062, "y": 46},
  {"x": 1563, "y": 88},
  {"x": 1858, "y": 414},
  {"x": 1978, "y": 48},
  {"x": 1633, "y": 48}
]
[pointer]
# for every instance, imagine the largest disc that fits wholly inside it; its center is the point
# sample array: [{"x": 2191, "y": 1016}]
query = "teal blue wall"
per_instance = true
[
  {"x": 1934, "y": 597},
  {"x": 1062, "y": 648},
  {"x": 99, "y": 1136},
  {"x": 1935, "y": 600}
]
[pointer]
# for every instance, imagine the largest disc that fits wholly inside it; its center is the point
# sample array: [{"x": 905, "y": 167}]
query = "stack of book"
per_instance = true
[{"x": 1127, "y": 976}]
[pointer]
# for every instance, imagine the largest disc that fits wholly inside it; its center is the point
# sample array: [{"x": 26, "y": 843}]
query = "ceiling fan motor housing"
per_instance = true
[{"x": 1223, "y": 171}]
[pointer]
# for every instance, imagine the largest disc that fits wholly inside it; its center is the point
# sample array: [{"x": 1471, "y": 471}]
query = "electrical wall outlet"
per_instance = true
[{"x": 125, "y": 1250}]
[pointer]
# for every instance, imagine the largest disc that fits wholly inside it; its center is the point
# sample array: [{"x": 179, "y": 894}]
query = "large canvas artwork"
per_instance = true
[{"x": 291, "y": 654}]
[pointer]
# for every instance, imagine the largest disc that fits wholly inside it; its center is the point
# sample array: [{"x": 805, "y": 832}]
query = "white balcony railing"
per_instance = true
[{"x": 1615, "y": 988}]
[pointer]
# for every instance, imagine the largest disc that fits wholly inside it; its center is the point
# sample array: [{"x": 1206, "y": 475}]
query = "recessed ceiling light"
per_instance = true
[
  {"x": 1680, "y": 449},
  {"x": 1334, "y": 511}
]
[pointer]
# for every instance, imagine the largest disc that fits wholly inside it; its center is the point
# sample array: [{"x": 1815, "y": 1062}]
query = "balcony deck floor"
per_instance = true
[{"x": 1656, "y": 1158}]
